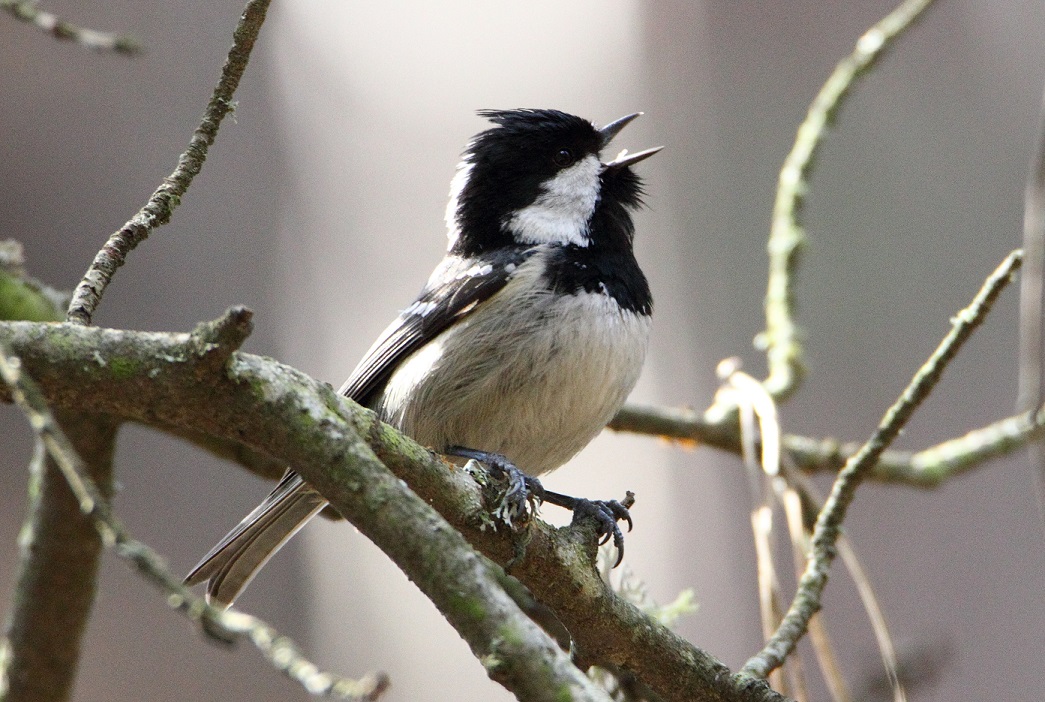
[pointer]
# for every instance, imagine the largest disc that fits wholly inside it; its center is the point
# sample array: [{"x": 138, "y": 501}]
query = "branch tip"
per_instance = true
[{"x": 218, "y": 339}]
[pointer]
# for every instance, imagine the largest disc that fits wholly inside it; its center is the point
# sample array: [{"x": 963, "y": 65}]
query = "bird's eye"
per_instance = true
[{"x": 563, "y": 158}]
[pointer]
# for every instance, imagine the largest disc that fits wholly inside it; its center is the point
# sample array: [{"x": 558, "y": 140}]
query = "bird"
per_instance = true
[{"x": 525, "y": 341}]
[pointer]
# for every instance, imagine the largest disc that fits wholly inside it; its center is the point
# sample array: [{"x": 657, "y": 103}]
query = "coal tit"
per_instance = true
[{"x": 526, "y": 340}]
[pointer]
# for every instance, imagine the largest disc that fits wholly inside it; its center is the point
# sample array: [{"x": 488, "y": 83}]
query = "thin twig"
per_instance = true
[
  {"x": 828, "y": 523},
  {"x": 157, "y": 211},
  {"x": 804, "y": 496},
  {"x": 27, "y": 11},
  {"x": 927, "y": 468},
  {"x": 760, "y": 454},
  {"x": 786, "y": 238},
  {"x": 225, "y": 625}
]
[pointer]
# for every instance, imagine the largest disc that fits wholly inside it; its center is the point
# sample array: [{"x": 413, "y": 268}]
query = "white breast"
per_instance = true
[{"x": 535, "y": 379}]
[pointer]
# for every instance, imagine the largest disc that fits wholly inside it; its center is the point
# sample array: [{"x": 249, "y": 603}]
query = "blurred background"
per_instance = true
[{"x": 321, "y": 208}]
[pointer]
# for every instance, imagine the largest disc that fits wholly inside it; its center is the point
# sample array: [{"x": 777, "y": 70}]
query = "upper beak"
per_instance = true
[
  {"x": 613, "y": 128},
  {"x": 624, "y": 158}
]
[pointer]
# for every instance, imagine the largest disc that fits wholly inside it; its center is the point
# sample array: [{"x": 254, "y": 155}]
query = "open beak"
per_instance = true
[{"x": 623, "y": 158}]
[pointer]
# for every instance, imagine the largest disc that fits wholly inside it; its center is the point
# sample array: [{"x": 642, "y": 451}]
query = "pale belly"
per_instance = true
[{"x": 536, "y": 394}]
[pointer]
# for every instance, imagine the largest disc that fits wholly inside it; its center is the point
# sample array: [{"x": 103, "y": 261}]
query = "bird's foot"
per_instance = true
[
  {"x": 605, "y": 513},
  {"x": 522, "y": 494}
]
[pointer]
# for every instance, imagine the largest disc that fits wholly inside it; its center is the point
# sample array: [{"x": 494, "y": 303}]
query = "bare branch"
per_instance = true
[
  {"x": 28, "y": 11},
  {"x": 786, "y": 238},
  {"x": 929, "y": 467},
  {"x": 828, "y": 523},
  {"x": 158, "y": 210}
]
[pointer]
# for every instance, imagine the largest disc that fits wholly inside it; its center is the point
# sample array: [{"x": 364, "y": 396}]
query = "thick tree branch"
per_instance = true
[
  {"x": 828, "y": 524},
  {"x": 60, "y": 550},
  {"x": 154, "y": 378},
  {"x": 515, "y": 651},
  {"x": 157, "y": 211}
]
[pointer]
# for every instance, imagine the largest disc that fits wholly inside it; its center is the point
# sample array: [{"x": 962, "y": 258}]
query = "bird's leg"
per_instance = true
[
  {"x": 523, "y": 493},
  {"x": 606, "y": 514}
]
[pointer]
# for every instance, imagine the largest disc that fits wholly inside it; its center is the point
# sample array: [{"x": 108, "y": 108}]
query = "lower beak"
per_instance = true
[{"x": 625, "y": 159}]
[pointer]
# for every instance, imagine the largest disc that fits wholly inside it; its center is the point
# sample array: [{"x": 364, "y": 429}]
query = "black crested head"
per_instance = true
[{"x": 537, "y": 178}]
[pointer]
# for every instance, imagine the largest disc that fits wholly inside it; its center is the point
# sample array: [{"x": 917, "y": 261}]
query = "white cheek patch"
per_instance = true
[{"x": 560, "y": 214}]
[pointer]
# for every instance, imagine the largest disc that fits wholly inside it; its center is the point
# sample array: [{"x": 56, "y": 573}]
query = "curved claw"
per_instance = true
[
  {"x": 606, "y": 513},
  {"x": 619, "y": 512}
]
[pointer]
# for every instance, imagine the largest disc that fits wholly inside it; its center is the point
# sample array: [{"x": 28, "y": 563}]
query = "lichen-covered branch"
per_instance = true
[
  {"x": 155, "y": 379},
  {"x": 515, "y": 651},
  {"x": 157, "y": 211},
  {"x": 826, "y": 531},
  {"x": 29, "y": 11},
  {"x": 786, "y": 238},
  {"x": 70, "y": 521}
]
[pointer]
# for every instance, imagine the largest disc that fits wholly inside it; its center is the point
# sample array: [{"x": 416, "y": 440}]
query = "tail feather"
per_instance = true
[{"x": 232, "y": 564}]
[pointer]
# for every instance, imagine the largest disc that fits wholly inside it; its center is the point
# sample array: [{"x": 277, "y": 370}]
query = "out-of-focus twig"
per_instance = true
[
  {"x": 1032, "y": 304},
  {"x": 827, "y": 529},
  {"x": 28, "y": 11},
  {"x": 786, "y": 238},
  {"x": 760, "y": 451}
]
